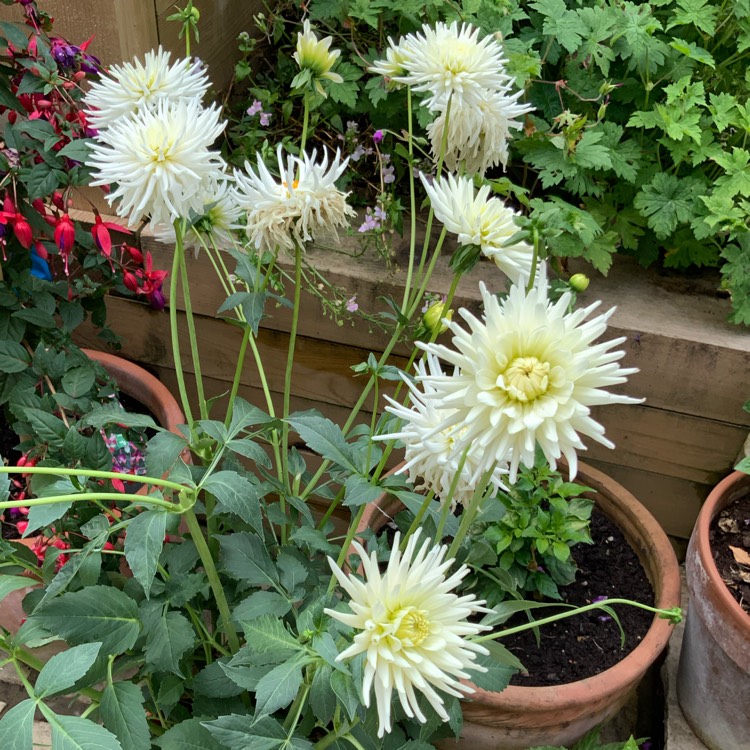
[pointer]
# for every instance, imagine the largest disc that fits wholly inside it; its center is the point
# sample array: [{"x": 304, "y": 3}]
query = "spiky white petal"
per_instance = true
[
  {"x": 299, "y": 207},
  {"x": 158, "y": 159},
  {"x": 451, "y": 62},
  {"x": 215, "y": 225},
  {"x": 481, "y": 220},
  {"x": 432, "y": 458},
  {"x": 413, "y": 628},
  {"x": 132, "y": 86},
  {"x": 527, "y": 374},
  {"x": 396, "y": 56},
  {"x": 478, "y": 134}
]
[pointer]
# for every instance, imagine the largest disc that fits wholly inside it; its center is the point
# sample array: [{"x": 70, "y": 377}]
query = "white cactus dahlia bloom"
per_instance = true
[
  {"x": 451, "y": 62},
  {"x": 478, "y": 219},
  {"x": 432, "y": 458},
  {"x": 413, "y": 628},
  {"x": 132, "y": 86},
  {"x": 315, "y": 55},
  {"x": 159, "y": 159},
  {"x": 215, "y": 223},
  {"x": 478, "y": 134},
  {"x": 527, "y": 374},
  {"x": 302, "y": 205}
]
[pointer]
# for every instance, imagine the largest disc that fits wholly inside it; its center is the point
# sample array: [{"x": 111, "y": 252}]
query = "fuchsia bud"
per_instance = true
[
  {"x": 41, "y": 250},
  {"x": 22, "y": 230},
  {"x": 130, "y": 281}
]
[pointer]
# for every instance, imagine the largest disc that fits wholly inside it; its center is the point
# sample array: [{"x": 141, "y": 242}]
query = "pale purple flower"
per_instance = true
[
  {"x": 265, "y": 119},
  {"x": 255, "y": 108},
  {"x": 379, "y": 214},
  {"x": 377, "y": 136},
  {"x": 352, "y": 305},
  {"x": 369, "y": 223}
]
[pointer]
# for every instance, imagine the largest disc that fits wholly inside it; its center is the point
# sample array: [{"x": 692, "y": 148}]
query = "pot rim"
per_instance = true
[
  {"x": 628, "y": 671},
  {"x": 737, "y": 484}
]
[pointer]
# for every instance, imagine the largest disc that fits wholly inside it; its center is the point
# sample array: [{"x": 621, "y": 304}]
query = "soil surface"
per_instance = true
[
  {"x": 587, "y": 644},
  {"x": 729, "y": 536}
]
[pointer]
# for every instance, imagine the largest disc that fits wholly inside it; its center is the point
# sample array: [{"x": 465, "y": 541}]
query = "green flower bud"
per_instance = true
[
  {"x": 434, "y": 315},
  {"x": 579, "y": 282},
  {"x": 195, "y": 14}
]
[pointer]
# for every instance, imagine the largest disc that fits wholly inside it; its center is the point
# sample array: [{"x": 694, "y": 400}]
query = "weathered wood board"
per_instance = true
[{"x": 694, "y": 367}]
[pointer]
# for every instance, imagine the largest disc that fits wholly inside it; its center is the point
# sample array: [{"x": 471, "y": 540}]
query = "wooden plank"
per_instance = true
[
  {"x": 125, "y": 29},
  {"x": 674, "y": 502},
  {"x": 220, "y": 23},
  {"x": 321, "y": 373}
]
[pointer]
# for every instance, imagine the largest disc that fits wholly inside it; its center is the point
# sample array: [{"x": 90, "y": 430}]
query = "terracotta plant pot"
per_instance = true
[
  {"x": 713, "y": 680},
  {"x": 521, "y": 717},
  {"x": 148, "y": 391}
]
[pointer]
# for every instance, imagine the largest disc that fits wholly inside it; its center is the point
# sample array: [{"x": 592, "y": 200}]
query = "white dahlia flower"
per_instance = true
[
  {"x": 302, "y": 205},
  {"x": 313, "y": 54},
  {"x": 451, "y": 62},
  {"x": 394, "y": 65},
  {"x": 213, "y": 226},
  {"x": 481, "y": 220},
  {"x": 432, "y": 458},
  {"x": 478, "y": 134},
  {"x": 159, "y": 159},
  {"x": 528, "y": 373},
  {"x": 413, "y": 628},
  {"x": 132, "y": 86}
]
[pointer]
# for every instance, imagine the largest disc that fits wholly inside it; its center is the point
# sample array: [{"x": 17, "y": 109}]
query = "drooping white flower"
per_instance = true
[
  {"x": 432, "y": 457},
  {"x": 478, "y": 134},
  {"x": 303, "y": 204},
  {"x": 481, "y": 220},
  {"x": 528, "y": 373},
  {"x": 451, "y": 62},
  {"x": 215, "y": 225},
  {"x": 413, "y": 628},
  {"x": 159, "y": 159},
  {"x": 313, "y": 55},
  {"x": 132, "y": 86}
]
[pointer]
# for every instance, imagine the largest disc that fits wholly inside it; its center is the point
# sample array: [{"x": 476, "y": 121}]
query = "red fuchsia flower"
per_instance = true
[
  {"x": 22, "y": 230},
  {"x": 152, "y": 284},
  {"x": 65, "y": 235},
  {"x": 100, "y": 233}
]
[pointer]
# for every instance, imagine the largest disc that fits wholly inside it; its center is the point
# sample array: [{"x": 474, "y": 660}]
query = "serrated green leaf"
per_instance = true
[
  {"x": 325, "y": 437},
  {"x": 121, "y": 710},
  {"x": 76, "y": 733},
  {"x": 667, "y": 201},
  {"x": 267, "y": 634},
  {"x": 347, "y": 693},
  {"x": 104, "y": 416},
  {"x": 323, "y": 700},
  {"x": 63, "y": 670},
  {"x": 693, "y": 51},
  {"x": 143, "y": 545},
  {"x": 562, "y": 24},
  {"x": 698, "y": 13},
  {"x": 77, "y": 150},
  {"x": 261, "y": 603},
  {"x": 236, "y": 494},
  {"x": 246, "y": 558},
  {"x": 168, "y": 639},
  {"x": 162, "y": 450},
  {"x": 47, "y": 427},
  {"x": 17, "y": 726},
  {"x": 247, "y": 732},
  {"x": 277, "y": 688},
  {"x": 77, "y": 381},
  {"x": 9, "y": 584},
  {"x": 213, "y": 682},
  {"x": 96, "y": 613},
  {"x": 188, "y": 735}
]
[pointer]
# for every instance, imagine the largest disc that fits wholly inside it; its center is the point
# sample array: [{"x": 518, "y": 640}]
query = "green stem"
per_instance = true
[
  {"x": 139, "y": 499},
  {"x": 534, "y": 260},
  {"x": 347, "y": 543},
  {"x": 670, "y": 614},
  {"x": 412, "y": 201},
  {"x": 176, "y": 261},
  {"x": 238, "y": 373},
  {"x": 305, "y": 124},
  {"x": 193, "y": 338},
  {"x": 213, "y": 579},
  {"x": 331, "y": 737},
  {"x": 418, "y": 518},
  {"x": 92, "y": 473},
  {"x": 470, "y": 511},
  {"x": 290, "y": 723}
]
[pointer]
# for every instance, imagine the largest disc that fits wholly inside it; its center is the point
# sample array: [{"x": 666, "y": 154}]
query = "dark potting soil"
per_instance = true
[
  {"x": 584, "y": 645},
  {"x": 729, "y": 536}
]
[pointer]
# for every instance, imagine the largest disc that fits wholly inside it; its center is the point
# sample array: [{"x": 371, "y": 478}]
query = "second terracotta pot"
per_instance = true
[{"x": 521, "y": 717}]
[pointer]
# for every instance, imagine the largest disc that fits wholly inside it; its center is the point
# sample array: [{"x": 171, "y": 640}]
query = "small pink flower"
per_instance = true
[
  {"x": 265, "y": 119},
  {"x": 352, "y": 305},
  {"x": 255, "y": 108},
  {"x": 377, "y": 136}
]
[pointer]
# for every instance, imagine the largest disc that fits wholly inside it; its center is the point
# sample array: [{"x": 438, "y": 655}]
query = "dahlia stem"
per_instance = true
[
  {"x": 481, "y": 492},
  {"x": 176, "y": 356},
  {"x": 447, "y": 502},
  {"x": 139, "y": 499},
  {"x": 238, "y": 373},
  {"x": 417, "y": 519},
  {"x": 534, "y": 259},
  {"x": 674, "y": 615},
  {"x": 347, "y": 543},
  {"x": 412, "y": 202}
]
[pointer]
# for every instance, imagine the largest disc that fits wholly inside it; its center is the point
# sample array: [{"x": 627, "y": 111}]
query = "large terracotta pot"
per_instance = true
[
  {"x": 148, "y": 391},
  {"x": 521, "y": 717},
  {"x": 713, "y": 680}
]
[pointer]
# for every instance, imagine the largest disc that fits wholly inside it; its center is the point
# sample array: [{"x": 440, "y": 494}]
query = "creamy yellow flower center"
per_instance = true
[
  {"x": 526, "y": 378},
  {"x": 415, "y": 627},
  {"x": 455, "y": 57}
]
